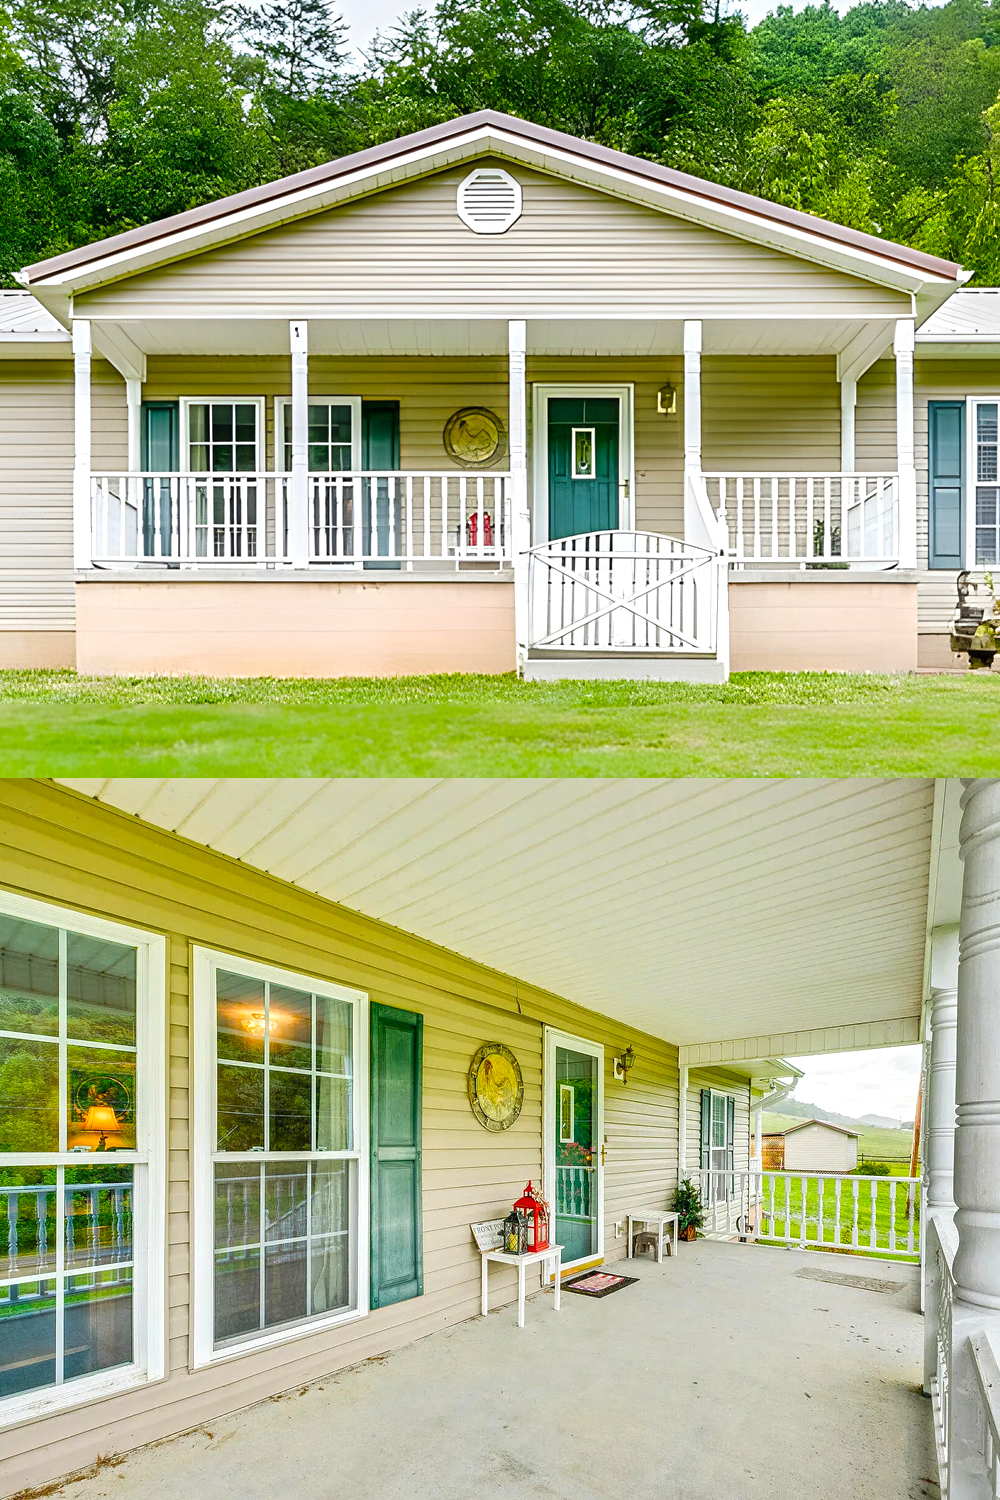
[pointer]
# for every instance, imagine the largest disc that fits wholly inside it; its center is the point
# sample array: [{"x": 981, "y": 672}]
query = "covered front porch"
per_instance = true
[
  {"x": 734, "y": 1371},
  {"x": 600, "y": 484}
]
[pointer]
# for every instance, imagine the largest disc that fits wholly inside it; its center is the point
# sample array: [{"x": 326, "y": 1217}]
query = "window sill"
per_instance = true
[
  {"x": 279, "y": 1336},
  {"x": 34, "y": 1406}
]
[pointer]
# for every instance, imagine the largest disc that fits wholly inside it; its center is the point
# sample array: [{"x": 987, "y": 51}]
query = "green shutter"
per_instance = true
[
  {"x": 946, "y": 460},
  {"x": 397, "y": 1261},
  {"x": 706, "y": 1129}
]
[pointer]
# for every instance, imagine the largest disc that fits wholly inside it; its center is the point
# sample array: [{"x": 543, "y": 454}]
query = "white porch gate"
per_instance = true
[{"x": 623, "y": 591}]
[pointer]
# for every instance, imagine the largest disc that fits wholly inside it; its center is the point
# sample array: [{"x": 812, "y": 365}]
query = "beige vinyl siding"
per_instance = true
[
  {"x": 403, "y": 252},
  {"x": 770, "y": 414},
  {"x": 933, "y": 380},
  {"x": 36, "y": 495},
  {"x": 723, "y": 1083},
  {"x": 816, "y": 1149},
  {"x": 65, "y": 848}
]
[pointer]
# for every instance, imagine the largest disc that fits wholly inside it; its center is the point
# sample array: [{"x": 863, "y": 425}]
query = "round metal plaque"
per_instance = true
[
  {"x": 474, "y": 436},
  {"x": 496, "y": 1088}
]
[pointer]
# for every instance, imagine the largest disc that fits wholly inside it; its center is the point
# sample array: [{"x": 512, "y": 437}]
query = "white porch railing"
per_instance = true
[
  {"x": 353, "y": 519},
  {"x": 876, "y": 1215},
  {"x": 631, "y": 591},
  {"x": 797, "y": 519}
]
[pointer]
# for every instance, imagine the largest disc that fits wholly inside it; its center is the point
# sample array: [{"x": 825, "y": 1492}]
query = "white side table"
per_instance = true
[
  {"x": 651, "y": 1217},
  {"x": 530, "y": 1258}
]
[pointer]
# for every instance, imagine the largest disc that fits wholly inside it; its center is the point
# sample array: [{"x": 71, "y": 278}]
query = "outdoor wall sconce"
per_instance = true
[
  {"x": 624, "y": 1065},
  {"x": 666, "y": 401}
]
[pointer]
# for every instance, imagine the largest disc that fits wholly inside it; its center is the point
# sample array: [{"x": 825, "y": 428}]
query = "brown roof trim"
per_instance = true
[{"x": 374, "y": 156}]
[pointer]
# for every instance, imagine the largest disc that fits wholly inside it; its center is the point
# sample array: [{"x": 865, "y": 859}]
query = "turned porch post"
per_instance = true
[
  {"x": 517, "y": 426},
  {"x": 298, "y": 484},
  {"x": 905, "y": 461},
  {"x": 939, "y": 1116},
  {"x": 977, "y": 1133},
  {"x": 82, "y": 552}
]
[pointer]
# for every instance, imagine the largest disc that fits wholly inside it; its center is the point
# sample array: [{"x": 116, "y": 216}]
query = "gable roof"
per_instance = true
[
  {"x": 488, "y": 131},
  {"x": 826, "y": 1124}
]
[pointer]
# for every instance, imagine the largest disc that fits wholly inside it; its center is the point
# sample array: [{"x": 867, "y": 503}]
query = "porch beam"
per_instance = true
[
  {"x": 298, "y": 486},
  {"x": 903, "y": 344},
  {"x": 82, "y": 462},
  {"x": 854, "y": 1037},
  {"x": 517, "y": 428}
]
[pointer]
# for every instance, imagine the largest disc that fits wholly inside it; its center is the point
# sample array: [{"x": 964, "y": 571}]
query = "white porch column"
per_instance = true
[
  {"x": 698, "y": 524},
  {"x": 939, "y": 1117},
  {"x": 848, "y": 408},
  {"x": 682, "y": 1094},
  {"x": 298, "y": 486},
  {"x": 133, "y": 405},
  {"x": 82, "y": 553},
  {"x": 517, "y": 427},
  {"x": 905, "y": 460},
  {"x": 977, "y": 1134}
]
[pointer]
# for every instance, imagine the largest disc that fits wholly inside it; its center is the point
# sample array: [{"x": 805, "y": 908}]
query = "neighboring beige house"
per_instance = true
[
  {"x": 486, "y": 397},
  {"x": 812, "y": 1146}
]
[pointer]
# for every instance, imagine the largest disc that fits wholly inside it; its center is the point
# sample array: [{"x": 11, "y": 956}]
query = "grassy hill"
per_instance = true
[{"x": 872, "y": 1140}]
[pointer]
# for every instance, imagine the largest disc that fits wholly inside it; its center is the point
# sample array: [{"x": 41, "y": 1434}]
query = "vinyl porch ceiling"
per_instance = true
[{"x": 694, "y": 910}]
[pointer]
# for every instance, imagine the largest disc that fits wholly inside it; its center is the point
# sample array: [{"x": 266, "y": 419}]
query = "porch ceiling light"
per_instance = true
[
  {"x": 624, "y": 1064},
  {"x": 254, "y": 1022},
  {"x": 666, "y": 401}
]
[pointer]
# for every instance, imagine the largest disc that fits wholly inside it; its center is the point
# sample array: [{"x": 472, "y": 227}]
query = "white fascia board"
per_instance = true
[{"x": 880, "y": 270}]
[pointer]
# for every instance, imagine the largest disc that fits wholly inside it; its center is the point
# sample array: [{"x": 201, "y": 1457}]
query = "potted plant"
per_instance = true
[{"x": 688, "y": 1206}]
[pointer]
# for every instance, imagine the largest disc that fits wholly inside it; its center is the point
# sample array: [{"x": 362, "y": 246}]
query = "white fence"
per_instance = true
[
  {"x": 352, "y": 519},
  {"x": 797, "y": 519},
  {"x": 623, "y": 590},
  {"x": 878, "y": 1215}
]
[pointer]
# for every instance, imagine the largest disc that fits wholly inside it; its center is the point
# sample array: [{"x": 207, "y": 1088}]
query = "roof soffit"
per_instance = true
[{"x": 192, "y": 234}]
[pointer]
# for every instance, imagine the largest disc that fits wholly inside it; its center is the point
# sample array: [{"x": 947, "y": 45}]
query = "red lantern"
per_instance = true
[
  {"x": 536, "y": 1211},
  {"x": 472, "y": 528}
]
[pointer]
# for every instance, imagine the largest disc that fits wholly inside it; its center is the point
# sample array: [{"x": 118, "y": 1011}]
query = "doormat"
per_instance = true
[
  {"x": 598, "y": 1283},
  {"x": 863, "y": 1283}
]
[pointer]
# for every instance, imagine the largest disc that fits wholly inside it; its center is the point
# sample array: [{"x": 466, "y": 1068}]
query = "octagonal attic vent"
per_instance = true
[{"x": 489, "y": 200}]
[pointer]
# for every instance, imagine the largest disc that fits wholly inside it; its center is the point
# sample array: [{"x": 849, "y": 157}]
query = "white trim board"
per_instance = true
[
  {"x": 540, "y": 394},
  {"x": 858, "y": 1037}
]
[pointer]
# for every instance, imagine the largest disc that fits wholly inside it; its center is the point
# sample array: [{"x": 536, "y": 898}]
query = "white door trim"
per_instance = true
[
  {"x": 625, "y": 395},
  {"x": 550, "y": 1107}
]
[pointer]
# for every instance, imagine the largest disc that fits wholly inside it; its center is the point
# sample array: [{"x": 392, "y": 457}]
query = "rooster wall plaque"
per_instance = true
[{"x": 496, "y": 1088}]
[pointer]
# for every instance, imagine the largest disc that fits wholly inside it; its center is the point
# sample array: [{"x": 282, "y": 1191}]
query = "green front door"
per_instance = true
[{"x": 583, "y": 464}]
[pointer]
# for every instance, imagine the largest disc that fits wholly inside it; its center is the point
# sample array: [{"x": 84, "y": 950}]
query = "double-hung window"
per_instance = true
[
  {"x": 221, "y": 444},
  {"x": 81, "y": 1157},
  {"x": 987, "y": 481},
  {"x": 334, "y": 434},
  {"x": 281, "y": 1124}
]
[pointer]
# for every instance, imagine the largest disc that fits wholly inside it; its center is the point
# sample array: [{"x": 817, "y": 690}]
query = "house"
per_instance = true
[
  {"x": 265, "y": 1010},
  {"x": 486, "y": 397},
  {"x": 812, "y": 1146}
]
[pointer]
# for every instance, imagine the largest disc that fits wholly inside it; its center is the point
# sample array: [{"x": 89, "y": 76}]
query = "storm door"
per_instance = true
[{"x": 574, "y": 1147}]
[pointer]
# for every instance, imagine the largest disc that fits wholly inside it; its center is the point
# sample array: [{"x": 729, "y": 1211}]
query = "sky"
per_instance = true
[
  {"x": 879, "y": 1082},
  {"x": 365, "y": 17}
]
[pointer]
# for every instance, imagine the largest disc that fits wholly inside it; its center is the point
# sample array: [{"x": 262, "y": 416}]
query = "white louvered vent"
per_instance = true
[{"x": 489, "y": 201}]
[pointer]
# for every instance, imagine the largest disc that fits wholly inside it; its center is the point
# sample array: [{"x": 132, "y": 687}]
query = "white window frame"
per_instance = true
[
  {"x": 625, "y": 395},
  {"x": 969, "y": 540},
  {"x": 725, "y": 1095},
  {"x": 205, "y": 962},
  {"x": 186, "y": 403},
  {"x": 149, "y": 1190},
  {"x": 317, "y": 398}
]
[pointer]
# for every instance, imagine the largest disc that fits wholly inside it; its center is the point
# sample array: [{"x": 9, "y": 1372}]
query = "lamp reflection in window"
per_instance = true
[{"x": 101, "y": 1120}]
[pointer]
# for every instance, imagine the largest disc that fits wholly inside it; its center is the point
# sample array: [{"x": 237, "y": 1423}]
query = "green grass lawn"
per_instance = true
[{"x": 759, "y": 724}]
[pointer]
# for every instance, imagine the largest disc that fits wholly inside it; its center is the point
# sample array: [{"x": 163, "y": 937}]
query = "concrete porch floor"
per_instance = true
[{"x": 723, "y": 1376}]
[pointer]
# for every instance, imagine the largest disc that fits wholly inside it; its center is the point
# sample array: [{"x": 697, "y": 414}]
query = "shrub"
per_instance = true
[{"x": 874, "y": 1169}]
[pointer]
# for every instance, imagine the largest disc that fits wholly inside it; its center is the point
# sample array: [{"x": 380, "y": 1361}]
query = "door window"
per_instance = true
[
  {"x": 576, "y": 1154},
  {"x": 223, "y": 436},
  {"x": 333, "y": 434}
]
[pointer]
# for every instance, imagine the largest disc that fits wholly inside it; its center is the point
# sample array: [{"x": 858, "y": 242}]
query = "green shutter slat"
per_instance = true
[
  {"x": 706, "y": 1129},
  {"x": 946, "y": 483},
  {"x": 397, "y": 1262}
]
